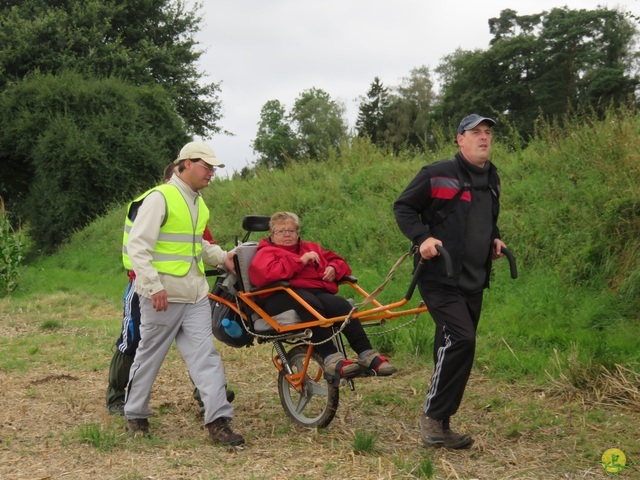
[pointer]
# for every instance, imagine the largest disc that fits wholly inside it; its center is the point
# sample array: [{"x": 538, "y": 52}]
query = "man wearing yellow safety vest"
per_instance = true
[{"x": 163, "y": 243}]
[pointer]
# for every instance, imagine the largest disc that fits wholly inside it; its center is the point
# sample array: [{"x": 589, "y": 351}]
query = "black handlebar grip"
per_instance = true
[
  {"x": 418, "y": 270},
  {"x": 447, "y": 260},
  {"x": 414, "y": 280},
  {"x": 512, "y": 262}
]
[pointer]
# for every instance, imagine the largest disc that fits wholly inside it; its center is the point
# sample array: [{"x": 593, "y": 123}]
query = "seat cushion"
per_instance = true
[{"x": 288, "y": 317}]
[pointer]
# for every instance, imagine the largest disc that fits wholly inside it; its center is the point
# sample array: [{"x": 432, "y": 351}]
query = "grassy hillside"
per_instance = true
[
  {"x": 557, "y": 370},
  {"x": 570, "y": 213}
]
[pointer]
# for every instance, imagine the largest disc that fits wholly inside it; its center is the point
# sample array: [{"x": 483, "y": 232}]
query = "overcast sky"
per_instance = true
[{"x": 261, "y": 50}]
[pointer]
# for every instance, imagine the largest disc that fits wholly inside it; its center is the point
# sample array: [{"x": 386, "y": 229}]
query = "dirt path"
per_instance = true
[{"x": 521, "y": 432}]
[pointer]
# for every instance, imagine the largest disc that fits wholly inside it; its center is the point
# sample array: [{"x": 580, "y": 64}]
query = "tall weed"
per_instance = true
[{"x": 11, "y": 254}]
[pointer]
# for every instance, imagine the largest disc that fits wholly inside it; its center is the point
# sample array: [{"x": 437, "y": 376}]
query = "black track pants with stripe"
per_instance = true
[{"x": 456, "y": 315}]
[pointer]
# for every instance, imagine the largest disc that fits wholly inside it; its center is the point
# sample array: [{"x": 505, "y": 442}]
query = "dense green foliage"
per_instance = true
[
  {"x": 92, "y": 94},
  {"x": 571, "y": 213},
  {"x": 77, "y": 145},
  {"x": 319, "y": 123},
  {"x": 140, "y": 42},
  {"x": 371, "y": 122},
  {"x": 546, "y": 66},
  {"x": 275, "y": 142},
  {"x": 543, "y": 65}
]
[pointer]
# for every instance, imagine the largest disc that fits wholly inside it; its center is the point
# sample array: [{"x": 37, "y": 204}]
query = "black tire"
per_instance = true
[{"x": 317, "y": 404}]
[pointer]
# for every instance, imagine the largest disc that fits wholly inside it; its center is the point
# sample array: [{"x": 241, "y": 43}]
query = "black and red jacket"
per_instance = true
[{"x": 422, "y": 211}]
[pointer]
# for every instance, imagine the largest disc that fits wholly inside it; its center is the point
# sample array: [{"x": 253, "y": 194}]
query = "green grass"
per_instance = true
[
  {"x": 364, "y": 442},
  {"x": 98, "y": 436},
  {"x": 422, "y": 469}
]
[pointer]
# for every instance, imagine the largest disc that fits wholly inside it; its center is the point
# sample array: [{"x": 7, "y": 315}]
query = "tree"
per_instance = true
[
  {"x": 275, "y": 140},
  {"x": 371, "y": 120},
  {"x": 319, "y": 123},
  {"x": 95, "y": 98},
  {"x": 407, "y": 117},
  {"x": 71, "y": 147},
  {"x": 417, "y": 90},
  {"x": 545, "y": 64},
  {"x": 579, "y": 47},
  {"x": 142, "y": 42}
]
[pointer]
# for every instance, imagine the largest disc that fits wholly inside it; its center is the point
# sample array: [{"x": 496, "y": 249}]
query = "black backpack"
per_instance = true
[{"x": 220, "y": 311}]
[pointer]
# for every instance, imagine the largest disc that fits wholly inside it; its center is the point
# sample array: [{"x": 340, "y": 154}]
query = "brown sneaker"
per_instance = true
[
  {"x": 436, "y": 433},
  {"x": 220, "y": 432},
  {"x": 379, "y": 364},
  {"x": 138, "y": 427},
  {"x": 338, "y": 365}
]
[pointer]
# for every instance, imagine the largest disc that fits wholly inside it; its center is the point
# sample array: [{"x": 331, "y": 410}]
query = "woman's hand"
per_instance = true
[
  {"x": 310, "y": 257},
  {"x": 329, "y": 274}
]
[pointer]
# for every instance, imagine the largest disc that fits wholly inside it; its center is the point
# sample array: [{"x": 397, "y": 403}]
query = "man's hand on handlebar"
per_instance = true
[
  {"x": 428, "y": 248},
  {"x": 496, "y": 249}
]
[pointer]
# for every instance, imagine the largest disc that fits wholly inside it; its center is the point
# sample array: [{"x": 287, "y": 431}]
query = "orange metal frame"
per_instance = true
[{"x": 376, "y": 311}]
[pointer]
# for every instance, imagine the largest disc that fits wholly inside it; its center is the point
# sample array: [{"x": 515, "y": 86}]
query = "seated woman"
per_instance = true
[{"x": 312, "y": 273}]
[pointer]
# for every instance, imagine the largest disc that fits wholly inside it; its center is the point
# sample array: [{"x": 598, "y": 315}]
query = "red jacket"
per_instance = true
[{"x": 273, "y": 263}]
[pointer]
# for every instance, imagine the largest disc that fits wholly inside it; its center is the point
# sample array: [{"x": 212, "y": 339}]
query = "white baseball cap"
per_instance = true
[{"x": 197, "y": 150}]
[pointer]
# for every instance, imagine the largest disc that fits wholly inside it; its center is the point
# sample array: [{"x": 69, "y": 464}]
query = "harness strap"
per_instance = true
[{"x": 377, "y": 291}]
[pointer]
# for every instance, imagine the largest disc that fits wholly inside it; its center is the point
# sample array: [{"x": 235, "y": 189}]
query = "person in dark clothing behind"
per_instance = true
[{"x": 453, "y": 203}]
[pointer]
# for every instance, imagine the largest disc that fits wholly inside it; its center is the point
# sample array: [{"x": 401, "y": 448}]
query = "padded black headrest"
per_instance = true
[{"x": 255, "y": 223}]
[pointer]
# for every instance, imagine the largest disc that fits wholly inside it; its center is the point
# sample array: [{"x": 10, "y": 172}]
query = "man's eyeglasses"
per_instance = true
[
  {"x": 290, "y": 231},
  {"x": 208, "y": 168}
]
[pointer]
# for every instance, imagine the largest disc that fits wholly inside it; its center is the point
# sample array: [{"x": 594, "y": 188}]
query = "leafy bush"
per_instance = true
[
  {"x": 11, "y": 254},
  {"x": 74, "y": 146}
]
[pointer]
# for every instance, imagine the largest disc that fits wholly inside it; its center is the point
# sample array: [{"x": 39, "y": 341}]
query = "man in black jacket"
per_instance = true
[{"x": 453, "y": 203}]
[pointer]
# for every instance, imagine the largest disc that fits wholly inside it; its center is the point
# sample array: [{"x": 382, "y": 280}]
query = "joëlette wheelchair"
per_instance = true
[{"x": 308, "y": 395}]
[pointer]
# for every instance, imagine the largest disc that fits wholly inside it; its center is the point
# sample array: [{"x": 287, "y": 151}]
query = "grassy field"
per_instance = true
[{"x": 556, "y": 380}]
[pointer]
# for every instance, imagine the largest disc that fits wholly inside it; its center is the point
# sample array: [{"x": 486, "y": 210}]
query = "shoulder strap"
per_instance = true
[
  {"x": 441, "y": 214},
  {"x": 132, "y": 212}
]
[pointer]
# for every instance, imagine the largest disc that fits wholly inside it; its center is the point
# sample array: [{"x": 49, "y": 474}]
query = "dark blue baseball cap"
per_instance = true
[{"x": 472, "y": 121}]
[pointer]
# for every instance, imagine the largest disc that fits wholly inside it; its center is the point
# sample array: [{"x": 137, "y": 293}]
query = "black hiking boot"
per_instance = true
[
  {"x": 138, "y": 427},
  {"x": 221, "y": 433}
]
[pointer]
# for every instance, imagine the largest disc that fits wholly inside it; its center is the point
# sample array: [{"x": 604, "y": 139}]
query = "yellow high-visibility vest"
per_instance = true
[{"x": 179, "y": 243}]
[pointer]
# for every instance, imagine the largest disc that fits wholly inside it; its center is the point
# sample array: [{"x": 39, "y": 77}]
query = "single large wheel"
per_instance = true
[{"x": 317, "y": 404}]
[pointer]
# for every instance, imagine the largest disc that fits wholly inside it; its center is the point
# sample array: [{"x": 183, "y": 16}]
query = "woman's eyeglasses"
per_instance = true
[{"x": 290, "y": 231}]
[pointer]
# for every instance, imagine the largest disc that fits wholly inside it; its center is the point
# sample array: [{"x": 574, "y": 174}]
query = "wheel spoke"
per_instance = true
[
  {"x": 302, "y": 402},
  {"x": 310, "y": 389},
  {"x": 316, "y": 388},
  {"x": 297, "y": 364}
]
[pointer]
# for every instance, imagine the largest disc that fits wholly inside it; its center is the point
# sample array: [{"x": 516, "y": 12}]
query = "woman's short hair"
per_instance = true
[{"x": 283, "y": 217}]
